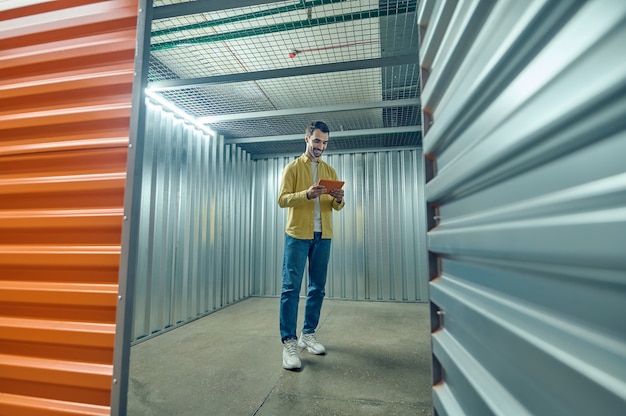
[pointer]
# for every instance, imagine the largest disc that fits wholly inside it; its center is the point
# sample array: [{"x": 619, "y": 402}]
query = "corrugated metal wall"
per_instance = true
[
  {"x": 194, "y": 236},
  {"x": 66, "y": 75},
  {"x": 211, "y": 231},
  {"x": 524, "y": 111},
  {"x": 379, "y": 243}
]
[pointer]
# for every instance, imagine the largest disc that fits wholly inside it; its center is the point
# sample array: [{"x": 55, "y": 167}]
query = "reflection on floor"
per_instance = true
[{"x": 229, "y": 363}]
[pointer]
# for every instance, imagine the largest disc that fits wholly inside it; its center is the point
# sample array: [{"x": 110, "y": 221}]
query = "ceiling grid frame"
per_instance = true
[{"x": 258, "y": 74}]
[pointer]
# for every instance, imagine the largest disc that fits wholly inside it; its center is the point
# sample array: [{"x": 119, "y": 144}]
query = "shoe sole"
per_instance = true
[
  {"x": 311, "y": 350},
  {"x": 287, "y": 367}
]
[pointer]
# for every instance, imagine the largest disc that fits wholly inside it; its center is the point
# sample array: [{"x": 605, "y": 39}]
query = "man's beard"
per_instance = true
[{"x": 315, "y": 152}]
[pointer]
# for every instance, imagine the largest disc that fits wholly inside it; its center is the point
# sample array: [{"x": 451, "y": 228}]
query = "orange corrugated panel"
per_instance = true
[
  {"x": 16, "y": 405},
  {"x": 66, "y": 75}
]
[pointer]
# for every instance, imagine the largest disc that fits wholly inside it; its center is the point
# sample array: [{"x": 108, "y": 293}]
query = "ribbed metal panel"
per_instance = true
[
  {"x": 66, "y": 74},
  {"x": 379, "y": 240},
  {"x": 525, "y": 138},
  {"x": 194, "y": 237}
]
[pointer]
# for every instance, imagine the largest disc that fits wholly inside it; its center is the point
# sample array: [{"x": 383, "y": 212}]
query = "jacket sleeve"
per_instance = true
[
  {"x": 339, "y": 206},
  {"x": 288, "y": 196}
]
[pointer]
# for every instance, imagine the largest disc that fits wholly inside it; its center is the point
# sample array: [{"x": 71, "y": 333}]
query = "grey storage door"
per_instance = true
[{"x": 525, "y": 142}]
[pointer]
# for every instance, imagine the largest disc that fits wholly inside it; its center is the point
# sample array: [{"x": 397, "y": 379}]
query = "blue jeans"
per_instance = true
[{"x": 297, "y": 251}]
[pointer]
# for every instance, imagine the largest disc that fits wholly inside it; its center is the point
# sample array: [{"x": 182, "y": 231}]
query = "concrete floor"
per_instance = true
[{"x": 229, "y": 363}]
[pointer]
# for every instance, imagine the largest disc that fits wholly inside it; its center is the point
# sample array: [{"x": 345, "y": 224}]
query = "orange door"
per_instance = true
[{"x": 66, "y": 76}]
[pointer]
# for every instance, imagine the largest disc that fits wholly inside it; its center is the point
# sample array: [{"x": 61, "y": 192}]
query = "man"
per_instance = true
[{"x": 307, "y": 235}]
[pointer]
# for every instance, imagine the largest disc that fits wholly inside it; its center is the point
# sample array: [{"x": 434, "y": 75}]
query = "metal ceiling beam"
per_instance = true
[
  {"x": 333, "y": 134},
  {"x": 303, "y": 5},
  {"x": 258, "y": 156},
  {"x": 308, "y": 110},
  {"x": 194, "y": 7},
  {"x": 177, "y": 84},
  {"x": 279, "y": 27}
]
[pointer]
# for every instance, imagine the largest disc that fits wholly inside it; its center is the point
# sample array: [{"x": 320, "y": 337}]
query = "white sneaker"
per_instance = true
[
  {"x": 309, "y": 342},
  {"x": 291, "y": 357}
]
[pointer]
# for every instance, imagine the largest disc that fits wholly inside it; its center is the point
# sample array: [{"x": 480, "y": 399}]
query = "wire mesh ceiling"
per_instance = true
[{"x": 258, "y": 71}]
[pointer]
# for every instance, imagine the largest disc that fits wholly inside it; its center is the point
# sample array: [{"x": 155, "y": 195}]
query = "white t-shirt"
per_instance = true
[{"x": 317, "y": 216}]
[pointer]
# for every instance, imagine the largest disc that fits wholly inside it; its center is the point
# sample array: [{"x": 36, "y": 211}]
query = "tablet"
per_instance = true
[{"x": 330, "y": 184}]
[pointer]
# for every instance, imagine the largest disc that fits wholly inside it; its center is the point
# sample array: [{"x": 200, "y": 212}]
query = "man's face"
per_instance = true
[{"x": 316, "y": 144}]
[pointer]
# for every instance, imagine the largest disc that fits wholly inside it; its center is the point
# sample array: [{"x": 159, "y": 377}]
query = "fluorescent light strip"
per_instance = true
[{"x": 180, "y": 113}]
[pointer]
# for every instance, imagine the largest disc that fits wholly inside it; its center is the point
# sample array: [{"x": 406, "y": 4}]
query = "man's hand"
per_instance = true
[
  {"x": 337, "y": 194},
  {"x": 315, "y": 191}
]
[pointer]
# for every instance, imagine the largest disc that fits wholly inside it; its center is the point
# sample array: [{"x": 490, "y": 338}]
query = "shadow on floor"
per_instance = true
[{"x": 229, "y": 363}]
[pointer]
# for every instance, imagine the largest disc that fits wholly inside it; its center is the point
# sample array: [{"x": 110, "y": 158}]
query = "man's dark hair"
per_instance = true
[{"x": 316, "y": 125}]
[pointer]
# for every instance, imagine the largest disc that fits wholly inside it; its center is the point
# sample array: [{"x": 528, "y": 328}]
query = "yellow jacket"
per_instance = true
[{"x": 297, "y": 178}]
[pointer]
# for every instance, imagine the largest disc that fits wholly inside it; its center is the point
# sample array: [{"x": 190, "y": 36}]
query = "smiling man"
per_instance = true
[{"x": 308, "y": 234}]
